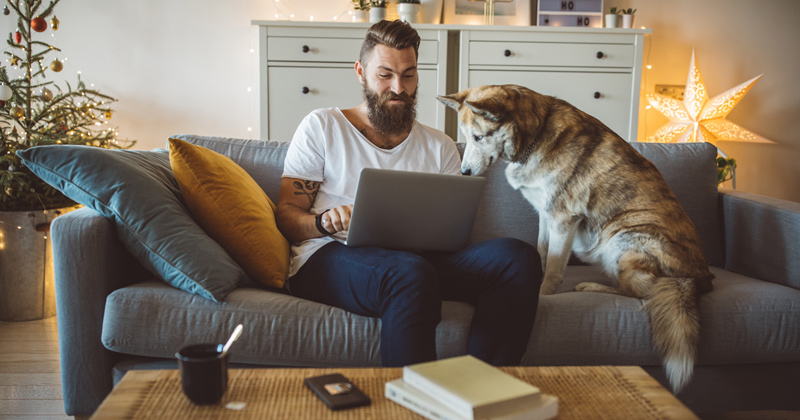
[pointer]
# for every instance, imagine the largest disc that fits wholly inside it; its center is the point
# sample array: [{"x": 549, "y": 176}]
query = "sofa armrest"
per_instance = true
[
  {"x": 762, "y": 237},
  {"x": 89, "y": 262}
]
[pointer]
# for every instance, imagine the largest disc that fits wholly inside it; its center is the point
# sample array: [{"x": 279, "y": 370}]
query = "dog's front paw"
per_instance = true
[
  {"x": 584, "y": 287},
  {"x": 548, "y": 288}
]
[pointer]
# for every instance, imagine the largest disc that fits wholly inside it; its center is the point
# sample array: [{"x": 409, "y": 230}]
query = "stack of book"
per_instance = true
[{"x": 465, "y": 388}]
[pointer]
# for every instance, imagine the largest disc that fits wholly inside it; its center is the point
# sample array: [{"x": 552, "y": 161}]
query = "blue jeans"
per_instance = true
[{"x": 500, "y": 277}]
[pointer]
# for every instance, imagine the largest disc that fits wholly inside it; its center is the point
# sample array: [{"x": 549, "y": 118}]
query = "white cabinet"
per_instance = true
[
  {"x": 308, "y": 66},
  {"x": 596, "y": 70},
  {"x": 305, "y": 65}
]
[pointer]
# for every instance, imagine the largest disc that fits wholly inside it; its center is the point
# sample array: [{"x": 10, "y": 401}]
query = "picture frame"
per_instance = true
[{"x": 470, "y": 12}]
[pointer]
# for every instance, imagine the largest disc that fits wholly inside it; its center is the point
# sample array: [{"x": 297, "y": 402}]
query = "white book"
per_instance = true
[
  {"x": 422, "y": 404},
  {"x": 473, "y": 389}
]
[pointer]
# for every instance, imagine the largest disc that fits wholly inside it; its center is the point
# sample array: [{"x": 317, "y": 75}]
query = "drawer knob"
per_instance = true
[
  {"x": 306, "y": 49},
  {"x": 600, "y": 54},
  {"x": 507, "y": 53},
  {"x": 305, "y": 90},
  {"x": 597, "y": 95}
]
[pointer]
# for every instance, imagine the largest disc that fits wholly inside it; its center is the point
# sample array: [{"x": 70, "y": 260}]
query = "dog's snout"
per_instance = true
[{"x": 466, "y": 172}]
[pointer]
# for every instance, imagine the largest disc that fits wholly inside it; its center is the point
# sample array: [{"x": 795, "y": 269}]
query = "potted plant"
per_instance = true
[
  {"x": 37, "y": 112},
  {"x": 408, "y": 10},
  {"x": 628, "y": 17},
  {"x": 360, "y": 10},
  {"x": 431, "y": 11},
  {"x": 612, "y": 18},
  {"x": 377, "y": 11},
  {"x": 726, "y": 170}
]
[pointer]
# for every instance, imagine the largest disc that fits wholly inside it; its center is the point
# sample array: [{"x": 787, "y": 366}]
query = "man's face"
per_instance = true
[{"x": 389, "y": 82}]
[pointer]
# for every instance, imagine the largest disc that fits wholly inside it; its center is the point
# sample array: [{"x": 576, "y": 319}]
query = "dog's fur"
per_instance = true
[{"x": 597, "y": 197}]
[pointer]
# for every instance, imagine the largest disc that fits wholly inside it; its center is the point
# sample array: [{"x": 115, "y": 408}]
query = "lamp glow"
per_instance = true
[{"x": 698, "y": 118}]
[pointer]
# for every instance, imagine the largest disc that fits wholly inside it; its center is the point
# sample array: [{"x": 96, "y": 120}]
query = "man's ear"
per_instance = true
[{"x": 360, "y": 72}]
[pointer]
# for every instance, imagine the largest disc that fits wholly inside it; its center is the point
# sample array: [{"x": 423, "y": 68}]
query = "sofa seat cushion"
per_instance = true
[
  {"x": 150, "y": 319},
  {"x": 743, "y": 320}
]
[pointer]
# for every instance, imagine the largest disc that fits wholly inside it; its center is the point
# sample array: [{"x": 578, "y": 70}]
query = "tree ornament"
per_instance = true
[
  {"x": 17, "y": 112},
  {"x": 47, "y": 95},
  {"x": 56, "y": 66},
  {"x": 39, "y": 24},
  {"x": 54, "y": 23},
  {"x": 10, "y": 192},
  {"x": 6, "y": 11},
  {"x": 18, "y": 37},
  {"x": 108, "y": 114},
  {"x": 5, "y": 93},
  {"x": 12, "y": 168},
  {"x": 14, "y": 60}
]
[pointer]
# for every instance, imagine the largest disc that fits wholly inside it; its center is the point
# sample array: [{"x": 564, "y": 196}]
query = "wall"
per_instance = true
[
  {"x": 734, "y": 40},
  {"x": 185, "y": 66}
]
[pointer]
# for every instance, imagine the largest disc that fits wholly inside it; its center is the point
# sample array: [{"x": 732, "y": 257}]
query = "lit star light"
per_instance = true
[{"x": 698, "y": 119}]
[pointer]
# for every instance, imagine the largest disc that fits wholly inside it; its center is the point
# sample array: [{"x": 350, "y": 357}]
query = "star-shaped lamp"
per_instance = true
[{"x": 697, "y": 118}]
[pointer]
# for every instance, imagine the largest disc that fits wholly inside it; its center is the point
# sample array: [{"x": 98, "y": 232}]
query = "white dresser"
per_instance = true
[
  {"x": 597, "y": 70},
  {"x": 304, "y": 66}
]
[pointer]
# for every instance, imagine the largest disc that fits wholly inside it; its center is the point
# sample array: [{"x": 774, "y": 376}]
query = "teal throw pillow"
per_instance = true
[{"x": 139, "y": 192}]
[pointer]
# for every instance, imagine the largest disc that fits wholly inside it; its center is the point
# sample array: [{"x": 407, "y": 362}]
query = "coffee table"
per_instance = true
[{"x": 584, "y": 392}]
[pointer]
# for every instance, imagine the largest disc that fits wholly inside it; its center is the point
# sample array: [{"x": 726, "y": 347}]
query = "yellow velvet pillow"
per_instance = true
[{"x": 228, "y": 204}]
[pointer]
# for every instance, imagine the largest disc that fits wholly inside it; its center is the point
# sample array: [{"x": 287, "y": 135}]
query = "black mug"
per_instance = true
[{"x": 204, "y": 372}]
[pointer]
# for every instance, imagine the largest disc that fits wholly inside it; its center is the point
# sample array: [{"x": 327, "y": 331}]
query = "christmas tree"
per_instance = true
[{"x": 35, "y": 112}]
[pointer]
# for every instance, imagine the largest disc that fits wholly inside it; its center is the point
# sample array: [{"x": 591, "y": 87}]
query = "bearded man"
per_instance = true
[{"x": 500, "y": 277}]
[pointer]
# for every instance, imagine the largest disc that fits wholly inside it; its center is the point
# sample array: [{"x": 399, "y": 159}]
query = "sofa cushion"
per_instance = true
[
  {"x": 138, "y": 191},
  {"x": 571, "y": 328},
  {"x": 263, "y": 160},
  {"x": 689, "y": 170},
  {"x": 743, "y": 320},
  {"x": 150, "y": 319},
  {"x": 232, "y": 209}
]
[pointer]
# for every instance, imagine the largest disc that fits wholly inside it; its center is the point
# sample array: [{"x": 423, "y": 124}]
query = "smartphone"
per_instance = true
[{"x": 336, "y": 391}]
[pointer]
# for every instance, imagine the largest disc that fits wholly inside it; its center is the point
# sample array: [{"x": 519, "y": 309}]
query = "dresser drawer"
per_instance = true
[
  {"x": 333, "y": 50},
  {"x": 551, "y": 54},
  {"x": 612, "y": 106},
  {"x": 326, "y": 87}
]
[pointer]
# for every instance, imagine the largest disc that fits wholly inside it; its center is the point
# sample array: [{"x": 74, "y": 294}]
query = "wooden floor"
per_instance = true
[{"x": 30, "y": 379}]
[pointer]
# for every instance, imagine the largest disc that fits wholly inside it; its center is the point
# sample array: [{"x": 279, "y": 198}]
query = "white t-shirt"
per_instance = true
[{"x": 327, "y": 148}]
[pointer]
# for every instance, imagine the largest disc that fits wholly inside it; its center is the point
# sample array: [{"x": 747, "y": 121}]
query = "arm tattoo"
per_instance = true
[{"x": 307, "y": 188}]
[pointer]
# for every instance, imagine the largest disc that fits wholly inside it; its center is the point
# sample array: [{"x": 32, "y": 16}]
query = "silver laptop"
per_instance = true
[{"x": 414, "y": 210}]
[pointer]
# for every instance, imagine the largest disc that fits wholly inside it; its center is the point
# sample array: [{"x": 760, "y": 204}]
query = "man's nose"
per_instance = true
[{"x": 397, "y": 86}]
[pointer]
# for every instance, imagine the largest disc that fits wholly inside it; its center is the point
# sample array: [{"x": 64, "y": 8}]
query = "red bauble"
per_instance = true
[
  {"x": 18, "y": 37},
  {"x": 39, "y": 24}
]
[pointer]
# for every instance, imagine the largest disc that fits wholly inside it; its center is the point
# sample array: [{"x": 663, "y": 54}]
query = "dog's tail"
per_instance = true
[{"x": 675, "y": 326}]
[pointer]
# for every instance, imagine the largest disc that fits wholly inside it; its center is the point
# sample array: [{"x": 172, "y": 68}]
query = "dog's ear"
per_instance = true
[
  {"x": 489, "y": 108},
  {"x": 453, "y": 101}
]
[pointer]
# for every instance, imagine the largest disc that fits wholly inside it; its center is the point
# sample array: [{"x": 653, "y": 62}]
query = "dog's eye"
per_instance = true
[{"x": 477, "y": 138}]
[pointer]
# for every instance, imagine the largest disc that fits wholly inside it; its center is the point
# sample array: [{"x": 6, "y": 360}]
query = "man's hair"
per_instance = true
[{"x": 395, "y": 34}]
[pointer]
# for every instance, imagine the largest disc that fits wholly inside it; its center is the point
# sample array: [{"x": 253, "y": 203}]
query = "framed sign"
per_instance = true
[
  {"x": 586, "y": 13},
  {"x": 471, "y": 12}
]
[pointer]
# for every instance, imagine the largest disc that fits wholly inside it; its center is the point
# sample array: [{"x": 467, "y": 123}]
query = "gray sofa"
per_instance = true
[{"x": 114, "y": 316}]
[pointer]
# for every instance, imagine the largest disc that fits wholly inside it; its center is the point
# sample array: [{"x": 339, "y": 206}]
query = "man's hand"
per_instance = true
[{"x": 337, "y": 219}]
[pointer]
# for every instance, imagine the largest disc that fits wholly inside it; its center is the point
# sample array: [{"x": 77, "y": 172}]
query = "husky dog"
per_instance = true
[{"x": 597, "y": 197}]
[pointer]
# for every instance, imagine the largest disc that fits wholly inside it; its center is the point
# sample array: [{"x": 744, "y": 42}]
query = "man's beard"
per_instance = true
[{"x": 390, "y": 119}]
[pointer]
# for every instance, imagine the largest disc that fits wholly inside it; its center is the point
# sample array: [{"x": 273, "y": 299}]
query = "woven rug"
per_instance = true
[{"x": 583, "y": 392}]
